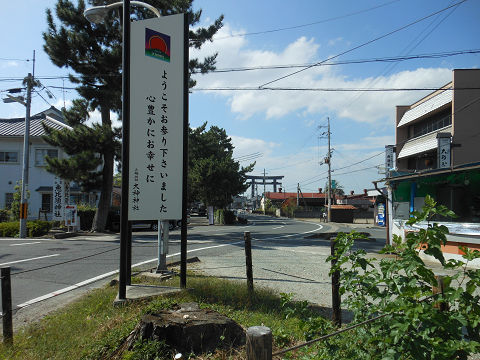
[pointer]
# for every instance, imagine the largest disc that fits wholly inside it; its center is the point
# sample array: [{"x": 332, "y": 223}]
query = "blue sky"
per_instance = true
[{"x": 285, "y": 127}]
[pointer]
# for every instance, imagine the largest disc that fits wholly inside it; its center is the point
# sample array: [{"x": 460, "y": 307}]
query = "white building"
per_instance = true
[{"x": 40, "y": 182}]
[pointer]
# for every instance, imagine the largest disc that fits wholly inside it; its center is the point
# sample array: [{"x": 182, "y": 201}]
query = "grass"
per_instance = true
[{"x": 92, "y": 328}]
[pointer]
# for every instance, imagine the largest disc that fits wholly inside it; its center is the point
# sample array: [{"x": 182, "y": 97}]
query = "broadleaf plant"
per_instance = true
[{"x": 418, "y": 323}]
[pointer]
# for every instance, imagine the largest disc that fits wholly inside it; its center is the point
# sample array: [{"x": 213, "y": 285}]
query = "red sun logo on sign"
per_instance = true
[{"x": 157, "y": 43}]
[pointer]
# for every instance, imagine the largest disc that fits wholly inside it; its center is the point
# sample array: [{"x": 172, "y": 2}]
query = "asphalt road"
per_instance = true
[
  {"x": 48, "y": 272},
  {"x": 291, "y": 262}
]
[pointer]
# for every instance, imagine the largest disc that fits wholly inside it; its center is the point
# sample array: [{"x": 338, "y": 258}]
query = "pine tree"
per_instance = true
[
  {"x": 94, "y": 53},
  {"x": 214, "y": 176}
]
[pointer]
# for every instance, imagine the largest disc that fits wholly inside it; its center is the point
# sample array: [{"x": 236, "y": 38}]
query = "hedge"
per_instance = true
[{"x": 35, "y": 228}]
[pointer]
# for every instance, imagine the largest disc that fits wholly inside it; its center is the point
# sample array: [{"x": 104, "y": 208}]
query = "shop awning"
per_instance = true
[{"x": 426, "y": 107}]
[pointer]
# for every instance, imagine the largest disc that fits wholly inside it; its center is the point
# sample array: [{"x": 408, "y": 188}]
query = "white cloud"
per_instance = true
[
  {"x": 96, "y": 117},
  {"x": 246, "y": 146},
  {"x": 367, "y": 107},
  {"x": 333, "y": 42},
  {"x": 367, "y": 143},
  {"x": 10, "y": 64}
]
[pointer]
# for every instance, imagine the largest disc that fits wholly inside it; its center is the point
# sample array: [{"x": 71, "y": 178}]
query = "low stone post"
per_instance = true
[{"x": 259, "y": 343}]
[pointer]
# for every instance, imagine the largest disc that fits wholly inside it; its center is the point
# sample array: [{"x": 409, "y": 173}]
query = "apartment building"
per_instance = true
[{"x": 438, "y": 154}]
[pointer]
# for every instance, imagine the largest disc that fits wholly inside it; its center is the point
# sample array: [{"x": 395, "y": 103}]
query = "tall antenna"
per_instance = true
[{"x": 33, "y": 70}]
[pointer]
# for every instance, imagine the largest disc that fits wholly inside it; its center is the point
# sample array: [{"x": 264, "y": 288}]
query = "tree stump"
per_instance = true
[{"x": 192, "y": 330}]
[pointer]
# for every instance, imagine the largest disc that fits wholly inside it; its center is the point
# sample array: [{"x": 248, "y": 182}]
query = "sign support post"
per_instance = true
[{"x": 124, "y": 228}]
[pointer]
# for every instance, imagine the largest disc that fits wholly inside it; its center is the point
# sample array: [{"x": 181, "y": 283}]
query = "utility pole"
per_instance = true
[
  {"x": 329, "y": 157},
  {"x": 26, "y": 155},
  {"x": 264, "y": 193},
  {"x": 298, "y": 194},
  {"x": 26, "y": 135}
]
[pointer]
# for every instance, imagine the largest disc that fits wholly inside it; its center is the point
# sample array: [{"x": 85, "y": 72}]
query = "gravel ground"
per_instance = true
[{"x": 301, "y": 270}]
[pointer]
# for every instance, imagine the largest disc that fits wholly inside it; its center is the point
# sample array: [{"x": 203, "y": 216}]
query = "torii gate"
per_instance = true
[{"x": 262, "y": 180}]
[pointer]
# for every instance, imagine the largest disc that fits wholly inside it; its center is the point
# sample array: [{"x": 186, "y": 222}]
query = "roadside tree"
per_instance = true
[{"x": 214, "y": 176}]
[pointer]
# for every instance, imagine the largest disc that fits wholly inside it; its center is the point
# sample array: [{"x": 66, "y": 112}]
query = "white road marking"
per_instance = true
[
  {"x": 278, "y": 227},
  {"x": 36, "y": 242},
  {"x": 31, "y": 259},
  {"x": 111, "y": 273},
  {"x": 17, "y": 239}
]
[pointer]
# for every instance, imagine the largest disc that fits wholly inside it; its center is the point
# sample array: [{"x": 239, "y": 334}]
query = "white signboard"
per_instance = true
[
  {"x": 58, "y": 199},
  {"x": 443, "y": 152},
  {"x": 156, "y": 118},
  {"x": 71, "y": 215}
]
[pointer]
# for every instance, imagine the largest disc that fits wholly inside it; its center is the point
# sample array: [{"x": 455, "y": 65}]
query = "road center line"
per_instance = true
[{"x": 31, "y": 259}]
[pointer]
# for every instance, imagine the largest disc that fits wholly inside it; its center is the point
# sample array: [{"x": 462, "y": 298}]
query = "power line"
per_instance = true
[
  {"x": 327, "y": 89},
  {"x": 12, "y": 59},
  {"x": 406, "y": 52},
  {"x": 303, "y": 25},
  {"x": 248, "y": 156},
  {"x": 348, "y": 62},
  {"x": 361, "y": 161},
  {"x": 364, "y": 44},
  {"x": 280, "y": 66}
]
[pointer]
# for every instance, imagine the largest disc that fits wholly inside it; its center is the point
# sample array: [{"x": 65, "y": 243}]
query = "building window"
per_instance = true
[
  {"x": 8, "y": 200},
  {"x": 8, "y": 157},
  {"x": 47, "y": 202},
  {"x": 41, "y": 153},
  {"x": 434, "y": 123}
]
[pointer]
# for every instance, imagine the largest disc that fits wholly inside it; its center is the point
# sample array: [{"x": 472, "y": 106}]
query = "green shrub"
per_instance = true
[
  {"x": 9, "y": 229},
  {"x": 400, "y": 288},
  {"x": 35, "y": 228},
  {"x": 4, "y": 215},
  {"x": 86, "y": 214},
  {"x": 38, "y": 228}
]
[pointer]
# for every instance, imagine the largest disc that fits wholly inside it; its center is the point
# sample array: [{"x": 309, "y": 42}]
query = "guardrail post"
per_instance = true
[
  {"x": 248, "y": 261},
  {"x": 259, "y": 343},
  {"x": 7, "y": 306},
  {"x": 336, "y": 300}
]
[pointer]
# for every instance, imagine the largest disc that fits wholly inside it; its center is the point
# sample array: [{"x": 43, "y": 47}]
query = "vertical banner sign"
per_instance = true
[
  {"x": 388, "y": 158},
  {"x": 58, "y": 199},
  {"x": 443, "y": 151},
  {"x": 66, "y": 192},
  {"x": 156, "y": 118}
]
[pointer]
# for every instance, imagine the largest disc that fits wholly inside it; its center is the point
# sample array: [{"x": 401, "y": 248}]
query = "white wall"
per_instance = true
[{"x": 11, "y": 173}]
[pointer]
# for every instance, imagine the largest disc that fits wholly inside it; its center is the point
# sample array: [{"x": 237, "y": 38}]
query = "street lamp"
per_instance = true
[{"x": 97, "y": 14}]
